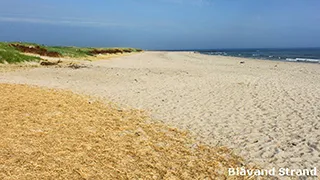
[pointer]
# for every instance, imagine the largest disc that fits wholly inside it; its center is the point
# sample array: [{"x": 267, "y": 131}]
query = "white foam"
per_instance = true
[{"x": 303, "y": 60}]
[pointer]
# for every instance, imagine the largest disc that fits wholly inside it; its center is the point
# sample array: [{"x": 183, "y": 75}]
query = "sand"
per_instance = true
[
  {"x": 267, "y": 111},
  {"x": 53, "y": 134}
]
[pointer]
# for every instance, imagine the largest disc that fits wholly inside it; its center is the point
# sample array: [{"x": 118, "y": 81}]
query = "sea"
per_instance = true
[{"x": 307, "y": 55}]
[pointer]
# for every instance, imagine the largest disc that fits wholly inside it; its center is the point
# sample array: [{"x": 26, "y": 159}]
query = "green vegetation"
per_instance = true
[
  {"x": 78, "y": 52},
  {"x": 12, "y": 52},
  {"x": 11, "y": 55},
  {"x": 70, "y": 51}
]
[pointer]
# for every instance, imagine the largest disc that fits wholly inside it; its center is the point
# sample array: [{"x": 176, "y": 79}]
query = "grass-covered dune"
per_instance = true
[
  {"x": 14, "y": 52},
  {"x": 11, "y": 55}
]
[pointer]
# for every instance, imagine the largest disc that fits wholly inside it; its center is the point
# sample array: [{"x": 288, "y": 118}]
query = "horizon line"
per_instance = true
[{"x": 249, "y": 48}]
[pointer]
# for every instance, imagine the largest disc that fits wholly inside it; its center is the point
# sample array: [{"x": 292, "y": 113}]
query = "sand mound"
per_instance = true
[{"x": 50, "y": 134}]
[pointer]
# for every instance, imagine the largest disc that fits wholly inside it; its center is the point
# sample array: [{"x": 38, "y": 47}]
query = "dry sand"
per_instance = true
[
  {"x": 50, "y": 134},
  {"x": 268, "y": 111}
]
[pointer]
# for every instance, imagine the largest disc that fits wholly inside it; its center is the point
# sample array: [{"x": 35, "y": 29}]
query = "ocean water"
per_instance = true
[{"x": 310, "y": 55}]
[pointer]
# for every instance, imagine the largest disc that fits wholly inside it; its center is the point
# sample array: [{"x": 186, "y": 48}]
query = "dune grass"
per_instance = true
[
  {"x": 11, "y": 54},
  {"x": 73, "y": 52},
  {"x": 85, "y": 51},
  {"x": 53, "y": 134}
]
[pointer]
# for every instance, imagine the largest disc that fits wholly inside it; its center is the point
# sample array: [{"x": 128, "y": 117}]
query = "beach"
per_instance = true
[{"x": 268, "y": 112}]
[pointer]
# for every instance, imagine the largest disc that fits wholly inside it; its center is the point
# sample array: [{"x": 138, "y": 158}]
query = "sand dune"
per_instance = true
[{"x": 268, "y": 111}]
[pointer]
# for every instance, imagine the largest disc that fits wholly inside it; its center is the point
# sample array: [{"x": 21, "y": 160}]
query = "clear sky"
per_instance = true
[{"x": 163, "y": 24}]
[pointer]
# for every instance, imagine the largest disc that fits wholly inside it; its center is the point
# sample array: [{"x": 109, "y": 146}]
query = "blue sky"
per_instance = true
[{"x": 163, "y": 24}]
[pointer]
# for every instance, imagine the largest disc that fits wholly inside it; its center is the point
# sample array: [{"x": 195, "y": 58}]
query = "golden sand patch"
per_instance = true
[
  {"x": 53, "y": 134},
  {"x": 108, "y": 56},
  {"x": 18, "y": 67}
]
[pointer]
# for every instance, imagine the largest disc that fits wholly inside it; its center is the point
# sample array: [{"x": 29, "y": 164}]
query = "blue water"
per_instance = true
[{"x": 311, "y": 55}]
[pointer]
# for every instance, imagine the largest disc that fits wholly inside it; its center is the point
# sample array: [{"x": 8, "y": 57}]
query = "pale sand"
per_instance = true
[{"x": 268, "y": 111}]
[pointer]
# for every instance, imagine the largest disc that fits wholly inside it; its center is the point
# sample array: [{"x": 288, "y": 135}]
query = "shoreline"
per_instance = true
[
  {"x": 296, "y": 60},
  {"x": 265, "y": 59}
]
